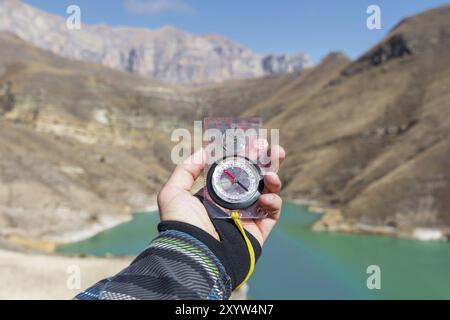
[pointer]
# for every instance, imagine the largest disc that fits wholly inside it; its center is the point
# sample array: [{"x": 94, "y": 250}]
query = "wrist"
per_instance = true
[{"x": 231, "y": 250}]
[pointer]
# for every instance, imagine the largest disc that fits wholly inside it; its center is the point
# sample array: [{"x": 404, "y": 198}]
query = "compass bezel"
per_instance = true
[{"x": 234, "y": 205}]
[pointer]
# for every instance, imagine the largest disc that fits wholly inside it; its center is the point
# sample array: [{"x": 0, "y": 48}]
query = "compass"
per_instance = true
[{"x": 234, "y": 182}]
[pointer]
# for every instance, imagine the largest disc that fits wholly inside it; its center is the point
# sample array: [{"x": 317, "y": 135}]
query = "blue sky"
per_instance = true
[{"x": 266, "y": 26}]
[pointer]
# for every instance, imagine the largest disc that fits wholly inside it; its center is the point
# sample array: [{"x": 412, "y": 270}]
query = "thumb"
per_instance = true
[{"x": 186, "y": 172}]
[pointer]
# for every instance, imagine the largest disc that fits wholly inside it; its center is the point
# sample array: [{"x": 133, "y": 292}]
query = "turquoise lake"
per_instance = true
[{"x": 298, "y": 263}]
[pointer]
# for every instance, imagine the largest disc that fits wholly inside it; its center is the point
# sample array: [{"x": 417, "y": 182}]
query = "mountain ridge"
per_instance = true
[
  {"x": 372, "y": 143},
  {"x": 368, "y": 139},
  {"x": 167, "y": 54}
]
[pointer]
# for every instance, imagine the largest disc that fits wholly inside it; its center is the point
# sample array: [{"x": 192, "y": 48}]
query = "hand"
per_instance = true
[{"x": 176, "y": 202}]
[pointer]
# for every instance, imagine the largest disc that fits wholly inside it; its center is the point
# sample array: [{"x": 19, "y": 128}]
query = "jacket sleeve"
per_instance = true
[{"x": 174, "y": 266}]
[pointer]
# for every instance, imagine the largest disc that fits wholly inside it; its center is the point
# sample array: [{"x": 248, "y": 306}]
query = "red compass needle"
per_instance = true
[
  {"x": 229, "y": 174},
  {"x": 234, "y": 179}
]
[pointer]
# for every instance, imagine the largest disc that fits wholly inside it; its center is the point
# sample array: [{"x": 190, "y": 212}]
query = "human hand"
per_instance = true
[{"x": 176, "y": 202}]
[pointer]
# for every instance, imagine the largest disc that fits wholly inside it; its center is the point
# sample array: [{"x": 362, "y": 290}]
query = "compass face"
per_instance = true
[{"x": 234, "y": 182}]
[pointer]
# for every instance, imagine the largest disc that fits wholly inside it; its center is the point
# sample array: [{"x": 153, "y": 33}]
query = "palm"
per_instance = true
[
  {"x": 179, "y": 205},
  {"x": 176, "y": 202}
]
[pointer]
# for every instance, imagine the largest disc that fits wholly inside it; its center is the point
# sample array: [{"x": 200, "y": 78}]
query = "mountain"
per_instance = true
[
  {"x": 82, "y": 145},
  {"x": 370, "y": 138},
  {"x": 367, "y": 139},
  {"x": 168, "y": 54}
]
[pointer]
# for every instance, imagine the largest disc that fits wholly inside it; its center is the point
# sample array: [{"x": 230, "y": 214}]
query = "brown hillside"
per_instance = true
[{"x": 374, "y": 142}]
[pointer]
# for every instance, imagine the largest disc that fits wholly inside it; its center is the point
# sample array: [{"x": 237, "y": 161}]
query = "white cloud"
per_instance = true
[{"x": 155, "y": 7}]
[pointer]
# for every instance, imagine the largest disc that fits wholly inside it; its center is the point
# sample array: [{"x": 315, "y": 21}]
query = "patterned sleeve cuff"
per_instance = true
[{"x": 174, "y": 266}]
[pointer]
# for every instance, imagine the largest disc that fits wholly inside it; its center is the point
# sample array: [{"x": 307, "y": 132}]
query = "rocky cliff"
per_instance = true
[
  {"x": 83, "y": 145},
  {"x": 168, "y": 54},
  {"x": 372, "y": 141},
  {"x": 367, "y": 138}
]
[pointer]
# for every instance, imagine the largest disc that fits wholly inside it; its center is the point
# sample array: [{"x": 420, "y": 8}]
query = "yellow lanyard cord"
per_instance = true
[{"x": 235, "y": 217}]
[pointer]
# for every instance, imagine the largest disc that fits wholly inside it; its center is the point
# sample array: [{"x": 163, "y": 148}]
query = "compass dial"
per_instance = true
[{"x": 235, "y": 182}]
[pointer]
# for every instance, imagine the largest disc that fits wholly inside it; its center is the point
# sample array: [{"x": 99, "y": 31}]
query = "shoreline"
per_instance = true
[
  {"x": 39, "y": 275},
  {"x": 51, "y": 244},
  {"x": 97, "y": 228},
  {"x": 332, "y": 220},
  {"x": 313, "y": 206}
]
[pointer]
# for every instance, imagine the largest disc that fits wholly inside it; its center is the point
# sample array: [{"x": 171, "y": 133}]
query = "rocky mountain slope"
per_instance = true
[
  {"x": 82, "y": 144},
  {"x": 368, "y": 139},
  {"x": 168, "y": 54},
  {"x": 371, "y": 138}
]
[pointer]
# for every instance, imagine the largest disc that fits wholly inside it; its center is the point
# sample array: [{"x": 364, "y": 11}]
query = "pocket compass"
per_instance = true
[{"x": 235, "y": 182}]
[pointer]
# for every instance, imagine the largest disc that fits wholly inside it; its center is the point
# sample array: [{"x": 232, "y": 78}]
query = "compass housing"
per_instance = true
[{"x": 249, "y": 197}]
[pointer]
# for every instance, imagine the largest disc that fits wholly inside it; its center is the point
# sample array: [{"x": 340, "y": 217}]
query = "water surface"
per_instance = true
[{"x": 298, "y": 263}]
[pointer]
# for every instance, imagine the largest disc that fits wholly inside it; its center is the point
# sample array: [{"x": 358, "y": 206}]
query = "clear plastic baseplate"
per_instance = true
[{"x": 239, "y": 136}]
